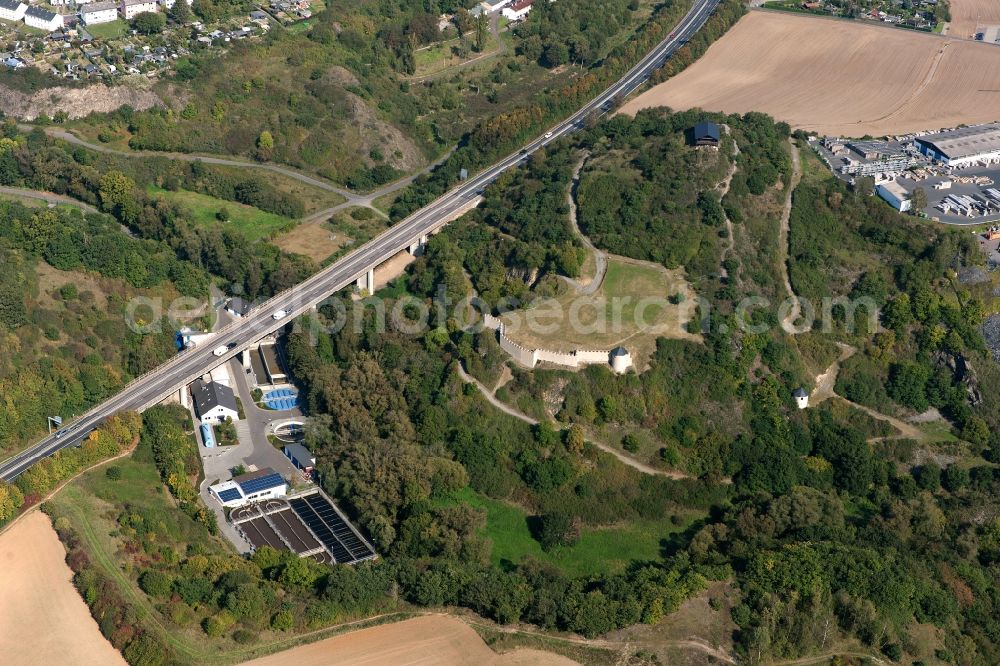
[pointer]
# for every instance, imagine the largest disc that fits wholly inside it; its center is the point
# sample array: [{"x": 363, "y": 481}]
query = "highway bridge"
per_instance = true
[{"x": 358, "y": 266}]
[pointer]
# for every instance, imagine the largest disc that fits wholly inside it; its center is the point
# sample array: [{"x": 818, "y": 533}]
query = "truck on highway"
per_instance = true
[
  {"x": 220, "y": 351},
  {"x": 279, "y": 314}
]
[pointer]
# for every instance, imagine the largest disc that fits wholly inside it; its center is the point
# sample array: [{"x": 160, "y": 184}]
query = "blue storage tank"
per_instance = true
[{"x": 207, "y": 435}]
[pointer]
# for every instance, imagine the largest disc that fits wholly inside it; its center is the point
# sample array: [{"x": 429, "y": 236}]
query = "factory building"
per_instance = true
[
  {"x": 895, "y": 194},
  {"x": 962, "y": 146}
]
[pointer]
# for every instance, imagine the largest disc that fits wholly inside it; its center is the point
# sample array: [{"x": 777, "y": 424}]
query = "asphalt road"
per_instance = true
[{"x": 154, "y": 386}]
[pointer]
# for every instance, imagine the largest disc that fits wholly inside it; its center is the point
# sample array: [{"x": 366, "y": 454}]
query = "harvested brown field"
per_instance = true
[
  {"x": 838, "y": 77},
  {"x": 315, "y": 241},
  {"x": 44, "y": 619},
  {"x": 967, "y": 15},
  {"x": 426, "y": 641}
]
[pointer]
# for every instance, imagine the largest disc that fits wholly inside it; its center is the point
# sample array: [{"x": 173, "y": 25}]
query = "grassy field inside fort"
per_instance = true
[{"x": 632, "y": 307}]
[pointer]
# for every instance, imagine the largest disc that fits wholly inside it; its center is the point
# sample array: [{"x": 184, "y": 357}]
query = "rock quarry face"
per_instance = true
[{"x": 76, "y": 102}]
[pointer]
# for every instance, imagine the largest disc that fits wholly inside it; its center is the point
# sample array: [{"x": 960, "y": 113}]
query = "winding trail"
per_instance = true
[
  {"x": 353, "y": 199},
  {"x": 50, "y": 198},
  {"x": 784, "y": 251},
  {"x": 600, "y": 256},
  {"x": 607, "y": 448},
  {"x": 723, "y": 189},
  {"x": 824, "y": 390}
]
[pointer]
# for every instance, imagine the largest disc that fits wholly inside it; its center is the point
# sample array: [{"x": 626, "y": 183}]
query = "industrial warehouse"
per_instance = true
[{"x": 962, "y": 147}]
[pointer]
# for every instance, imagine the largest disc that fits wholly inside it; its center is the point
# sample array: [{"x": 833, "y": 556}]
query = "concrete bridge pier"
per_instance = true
[
  {"x": 182, "y": 396},
  {"x": 418, "y": 247},
  {"x": 366, "y": 282},
  {"x": 246, "y": 359}
]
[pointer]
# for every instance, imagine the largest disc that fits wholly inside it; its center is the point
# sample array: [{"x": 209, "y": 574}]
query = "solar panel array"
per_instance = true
[
  {"x": 229, "y": 494},
  {"x": 263, "y": 483},
  {"x": 327, "y": 524}
]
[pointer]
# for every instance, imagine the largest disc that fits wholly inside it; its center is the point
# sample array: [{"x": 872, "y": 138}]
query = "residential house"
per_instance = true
[
  {"x": 132, "y": 8},
  {"x": 705, "y": 134},
  {"x": 518, "y": 10},
  {"x": 36, "y": 17},
  {"x": 99, "y": 12},
  {"x": 12, "y": 10},
  {"x": 215, "y": 402}
]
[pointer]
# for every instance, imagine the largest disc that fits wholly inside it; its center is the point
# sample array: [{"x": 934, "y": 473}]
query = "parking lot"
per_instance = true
[{"x": 935, "y": 196}]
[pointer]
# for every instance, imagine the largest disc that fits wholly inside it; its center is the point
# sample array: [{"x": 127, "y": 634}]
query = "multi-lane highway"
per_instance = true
[{"x": 168, "y": 378}]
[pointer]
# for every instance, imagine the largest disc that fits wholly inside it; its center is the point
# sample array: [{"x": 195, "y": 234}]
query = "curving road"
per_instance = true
[{"x": 154, "y": 386}]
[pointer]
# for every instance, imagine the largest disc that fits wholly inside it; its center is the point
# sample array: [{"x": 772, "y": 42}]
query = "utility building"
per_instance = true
[{"x": 253, "y": 487}]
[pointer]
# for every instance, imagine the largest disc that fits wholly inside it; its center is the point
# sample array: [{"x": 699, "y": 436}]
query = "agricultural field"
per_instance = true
[
  {"x": 420, "y": 640},
  {"x": 966, "y": 15},
  {"x": 631, "y": 307},
  {"x": 44, "y": 619},
  {"x": 839, "y": 78},
  {"x": 252, "y": 222}
]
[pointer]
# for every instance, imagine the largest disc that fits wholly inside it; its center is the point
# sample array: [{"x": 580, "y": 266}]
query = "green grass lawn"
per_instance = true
[
  {"x": 439, "y": 57},
  {"x": 254, "y": 223},
  {"x": 110, "y": 30},
  {"x": 599, "y": 550}
]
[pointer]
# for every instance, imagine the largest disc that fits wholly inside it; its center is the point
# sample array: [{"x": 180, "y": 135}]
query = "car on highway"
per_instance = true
[
  {"x": 548, "y": 135},
  {"x": 62, "y": 432},
  {"x": 279, "y": 314}
]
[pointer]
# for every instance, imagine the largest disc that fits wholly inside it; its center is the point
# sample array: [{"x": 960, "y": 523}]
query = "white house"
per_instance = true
[
  {"x": 12, "y": 10},
  {"x": 36, "y": 17},
  {"x": 99, "y": 12},
  {"x": 253, "y": 487},
  {"x": 132, "y": 8},
  {"x": 237, "y": 307},
  {"x": 518, "y": 10},
  {"x": 493, "y": 5},
  {"x": 895, "y": 194},
  {"x": 215, "y": 402}
]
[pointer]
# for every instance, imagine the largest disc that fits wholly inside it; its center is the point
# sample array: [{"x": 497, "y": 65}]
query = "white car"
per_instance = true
[
  {"x": 279, "y": 314},
  {"x": 548, "y": 135}
]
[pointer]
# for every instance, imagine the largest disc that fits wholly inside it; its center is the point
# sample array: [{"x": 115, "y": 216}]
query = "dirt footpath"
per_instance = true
[
  {"x": 42, "y": 618},
  {"x": 844, "y": 78},
  {"x": 422, "y": 641}
]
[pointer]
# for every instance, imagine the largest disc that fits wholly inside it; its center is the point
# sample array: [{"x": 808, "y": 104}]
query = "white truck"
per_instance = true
[
  {"x": 279, "y": 314},
  {"x": 220, "y": 351}
]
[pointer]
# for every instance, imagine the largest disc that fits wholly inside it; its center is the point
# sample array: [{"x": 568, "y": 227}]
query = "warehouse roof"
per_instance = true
[{"x": 965, "y": 141}]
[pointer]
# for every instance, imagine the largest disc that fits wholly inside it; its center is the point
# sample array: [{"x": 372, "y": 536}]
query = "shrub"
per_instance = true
[
  {"x": 114, "y": 473},
  {"x": 218, "y": 624},
  {"x": 282, "y": 621},
  {"x": 156, "y": 583},
  {"x": 244, "y": 637},
  {"x": 558, "y": 529}
]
